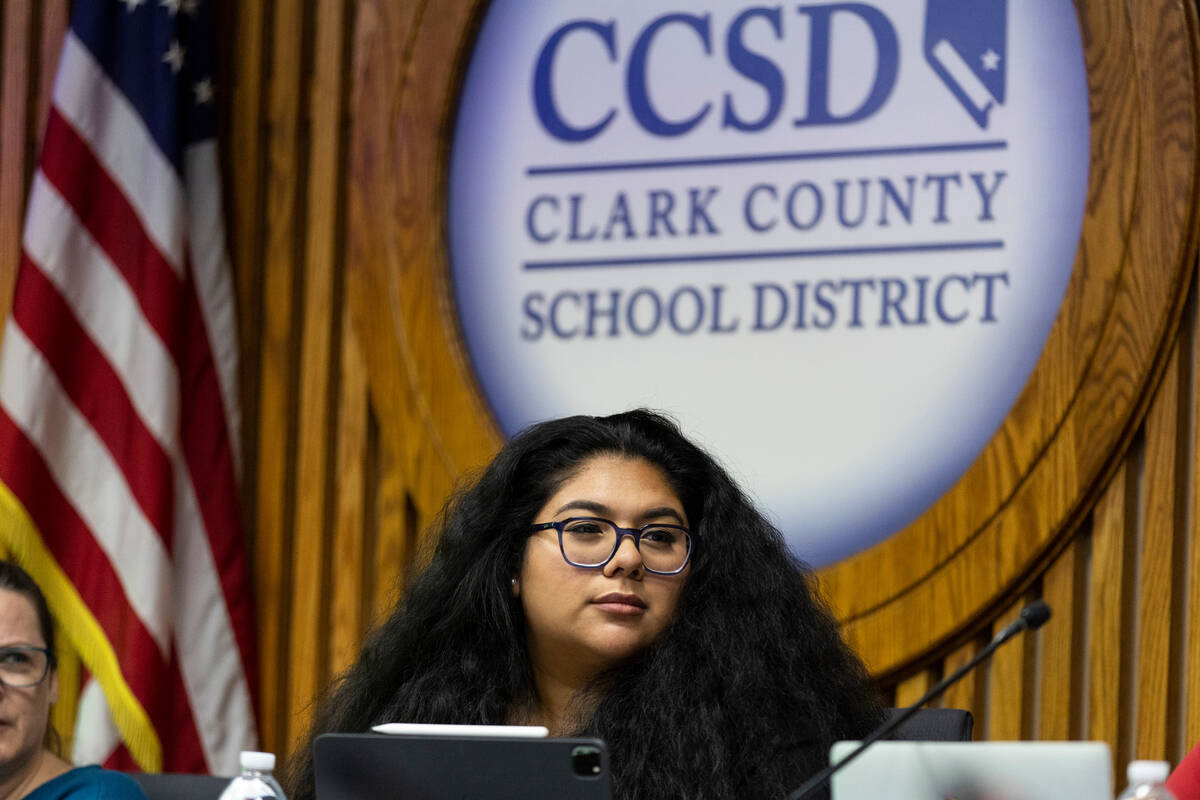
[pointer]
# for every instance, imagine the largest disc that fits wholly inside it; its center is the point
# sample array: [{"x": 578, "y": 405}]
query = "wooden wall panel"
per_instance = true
[
  {"x": 1177, "y": 742},
  {"x": 318, "y": 361},
  {"x": 17, "y": 56},
  {"x": 1157, "y": 518},
  {"x": 967, "y": 693},
  {"x": 1109, "y": 654},
  {"x": 349, "y": 612},
  {"x": 1190, "y": 627},
  {"x": 54, "y": 19},
  {"x": 312, "y": 469},
  {"x": 31, "y": 36},
  {"x": 274, "y": 480},
  {"x": 242, "y": 71},
  {"x": 1009, "y": 692},
  {"x": 910, "y": 690},
  {"x": 907, "y": 598},
  {"x": 1118, "y": 660},
  {"x": 1062, "y": 655},
  {"x": 393, "y": 533}
]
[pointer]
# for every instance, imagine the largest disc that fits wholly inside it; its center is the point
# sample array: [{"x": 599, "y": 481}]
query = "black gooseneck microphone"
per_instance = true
[{"x": 1032, "y": 617}]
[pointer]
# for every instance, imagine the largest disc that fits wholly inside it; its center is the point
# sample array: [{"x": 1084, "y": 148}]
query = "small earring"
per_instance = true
[{"x": 514, "y": 583}]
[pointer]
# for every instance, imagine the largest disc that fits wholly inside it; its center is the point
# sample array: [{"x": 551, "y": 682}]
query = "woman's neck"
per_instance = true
[
  {"x": 43, "y": 766},
  {"x": 562, "y": 701},
  {"x": 559, "y": 704}
]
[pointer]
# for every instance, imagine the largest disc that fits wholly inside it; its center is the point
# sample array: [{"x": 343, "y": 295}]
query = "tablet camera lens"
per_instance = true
[{"x": 585, "y": 761}]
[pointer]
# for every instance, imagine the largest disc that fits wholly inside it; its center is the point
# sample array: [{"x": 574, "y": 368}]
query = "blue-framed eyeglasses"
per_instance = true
[
  {"x": 22, "y": 666},
  {"x": 591, "y": 542}
]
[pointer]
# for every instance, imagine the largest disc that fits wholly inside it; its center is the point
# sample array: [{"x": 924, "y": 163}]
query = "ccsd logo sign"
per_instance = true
[{"x": 830, "y": 237}]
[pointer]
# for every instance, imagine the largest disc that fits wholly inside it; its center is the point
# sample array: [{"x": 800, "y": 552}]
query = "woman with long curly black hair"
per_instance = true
[{"x": 605, "y": 577}]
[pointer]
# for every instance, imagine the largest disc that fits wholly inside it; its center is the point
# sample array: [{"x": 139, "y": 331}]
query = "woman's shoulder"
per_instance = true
[{"x": 89, "y": 783}]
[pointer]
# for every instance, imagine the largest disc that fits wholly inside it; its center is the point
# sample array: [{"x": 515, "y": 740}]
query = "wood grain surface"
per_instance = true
[
  {"x": 1156, "y": 703},
  {"x": 14, "y": 138},
  {"x": 1110, "y": 643},
  {"x": 969, "y": 693},
  {"x": 1033, "y": 483},
  {"x": 1060, "y": 671},
  {"x": 911, "y": 689}
]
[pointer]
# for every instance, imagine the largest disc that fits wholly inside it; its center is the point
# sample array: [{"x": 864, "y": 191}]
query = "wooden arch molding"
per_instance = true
[{"x": 912, "y": 595}]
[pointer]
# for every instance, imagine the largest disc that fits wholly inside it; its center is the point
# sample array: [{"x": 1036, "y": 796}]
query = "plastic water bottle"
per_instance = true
[
  {"x": 257, "y": 781},
  {"x": 1147, "y": 781}
]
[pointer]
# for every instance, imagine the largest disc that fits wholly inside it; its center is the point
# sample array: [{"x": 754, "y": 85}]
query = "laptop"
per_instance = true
[
  {"x": 446, "y": 764},
  {"x": 974, "y": 771}
]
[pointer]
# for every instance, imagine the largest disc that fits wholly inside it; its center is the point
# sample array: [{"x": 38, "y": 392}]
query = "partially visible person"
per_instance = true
[
  {"x": 29, "y": 766},
  {"x": 1184, "y": 782}
]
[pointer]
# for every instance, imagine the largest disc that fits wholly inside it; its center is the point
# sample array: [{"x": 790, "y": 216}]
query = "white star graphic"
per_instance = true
[
  {"x": 204, "y": 91},
  {"x": 990, "y": 59},
  {"x": 174, "y": 57},
  {"x": 172, "y": 6},
  {"x": 131, "y": 5}
]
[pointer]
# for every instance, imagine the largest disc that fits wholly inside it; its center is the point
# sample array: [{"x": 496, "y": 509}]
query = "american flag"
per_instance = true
[{"x": 118, "y": 395}]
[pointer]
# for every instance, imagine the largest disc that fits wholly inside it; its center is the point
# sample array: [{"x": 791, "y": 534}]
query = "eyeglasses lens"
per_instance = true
[
  {"x": 591, "y": 542},
  {"x": 22, "y": 666}
]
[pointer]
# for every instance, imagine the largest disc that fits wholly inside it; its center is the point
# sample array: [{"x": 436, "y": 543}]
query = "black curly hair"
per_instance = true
[{"x": 739, "y": 698}]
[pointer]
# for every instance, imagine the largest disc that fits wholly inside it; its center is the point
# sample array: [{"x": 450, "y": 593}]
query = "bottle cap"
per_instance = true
[
  {"x": 1147, "y": 771},
  {"x": 261, "y": 762}
]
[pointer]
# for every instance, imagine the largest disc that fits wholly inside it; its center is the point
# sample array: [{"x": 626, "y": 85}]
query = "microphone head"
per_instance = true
[{"x": 1035, "y": 615}]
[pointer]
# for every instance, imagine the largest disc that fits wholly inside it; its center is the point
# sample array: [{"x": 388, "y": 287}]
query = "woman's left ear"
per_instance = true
[{"x": 516, "y": 587}]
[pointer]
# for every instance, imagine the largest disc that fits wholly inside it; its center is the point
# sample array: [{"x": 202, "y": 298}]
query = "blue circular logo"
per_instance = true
[{"x": 831, "y": 239}]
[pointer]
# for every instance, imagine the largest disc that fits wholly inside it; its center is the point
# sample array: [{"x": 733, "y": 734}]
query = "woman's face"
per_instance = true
[
  {"x": 582, "y": 621},
  {"x": 24, "y": 711}
]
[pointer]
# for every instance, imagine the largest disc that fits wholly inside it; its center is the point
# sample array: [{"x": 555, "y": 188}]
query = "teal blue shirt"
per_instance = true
[{"x": 88, "y": 783}]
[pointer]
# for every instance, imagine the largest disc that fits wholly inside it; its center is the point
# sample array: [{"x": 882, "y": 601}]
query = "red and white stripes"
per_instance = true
[{"x": 119, "y": 428}]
